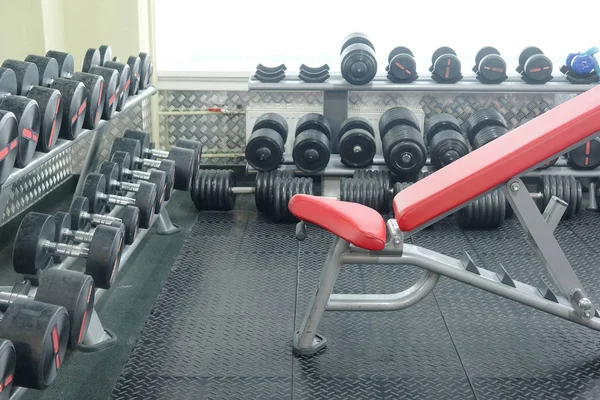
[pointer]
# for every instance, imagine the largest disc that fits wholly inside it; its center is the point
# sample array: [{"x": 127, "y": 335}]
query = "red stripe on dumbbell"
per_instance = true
[
  {"x": 8, "y": 380},
  {"x": 89, "y": 294},
  {"x": 82, "y": 108},
  {"x": 57, "y": 106},
  {"x": 114, "y": 271},
  {"x": 497, "y": 70},
  {"x": 112, "y": 99},
  {"x": 52, "y": 132},
  {"x": 55, "y": 347},
  {"x": 1, "y": 387},
  {"x": 4, "y": 152},
  {"x": 535, "y": 70},
  {"x": 80, "y": 338},
  {"x": 127, "y": 85}
]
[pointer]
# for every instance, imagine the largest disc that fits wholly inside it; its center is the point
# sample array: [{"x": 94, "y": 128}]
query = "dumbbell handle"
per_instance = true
[
  {"x": 128, "y": 186},
  {"x": 68, "y": 250},
  {"x": 146, "y": 162},
  {"x": 7, "y": 298},
  {"x": 99, "y": 219},
  {"x": 143, "y": 175},
  {"x": 243, "y": 190},
  {"x": 117, "y": 200},
  {"x": 78, "y": 236},
  {"x": 156, "y": 153}
]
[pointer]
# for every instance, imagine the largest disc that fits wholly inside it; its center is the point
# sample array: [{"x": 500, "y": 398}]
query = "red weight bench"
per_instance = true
[{"x": 363, "y": 237}]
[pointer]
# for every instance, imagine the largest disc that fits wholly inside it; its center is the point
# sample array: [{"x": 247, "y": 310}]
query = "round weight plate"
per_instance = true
[
  {"x": 264, "y": 187},
  {"x": 492, "y": 69},
  {"x": 47, "y": 68},
  {"x": 66, "y": 63},
  {"x": 40, "y": 333},
  {"x": 145, "y": 199},
  {"x": 8, "y": 360},
  {"x": 131, "y": 220},
  {"x": 93, "y": 187},
  {"x": 103, "y": 259},
  {"x": 538, "y": 68},
  {"x": 159, "y": 179},
  {"x": 184, "y": 167},
  {"x": 194, "y": 145},
  {"x": 134, "y": 66},
  {"x": 586, "y": 156},
  {"x": 110, "y": 89},
  {"x": 354, "y": 38},
  {"x": 91, "y": 59},
  {"x": 8, "y": 82},
  {"x": 9, "y": 140},
  {"x": 29, "y": 255},
  {"x": 49, "y": 102},
  {"x": 447, "y": 69},
  {"x": 122, "y": 161},
  {"x": 314, "y": 121},
  {"x": 397, "y": 116},
  {"x": 264, "y": 150},
  {"x": 62, "y": 232},
  {"x": 356, "y": 123},
  {"x": 27, "y": 113},
  {"x": 403, "y": 149},
  {"x": 143, "y": 138},
  {"x": 124, "y": 81},
  {"x": 358, "y": 64},
  {"x": 74, "y": 104},
  {"x": 526, "y": 53},
  {"x": 94, "y": 85},
  {"x": 272, "y": 121},
  {"x": 105, "y": 54},
  {"x": 212, "y": 190},
  {"x": 311, "y": 151},
  {"x": 75, "y": 292},
  {"x": 145, "y": 70},
  {"x": 399, "y": 50},
  {"x": 79, "y": 207},
  {"x": 357, "y": 148},
  {"x": 27, "y": 75},
  {"x": 129, "y": 146}
]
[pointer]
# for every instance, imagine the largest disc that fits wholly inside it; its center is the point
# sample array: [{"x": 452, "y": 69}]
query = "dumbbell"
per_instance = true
[
  {"x": 402, "y": 67},
  {"x": 82, "y": 219},
  {"x": 115, "y": 185},
  {"x": 266, "y": 145},
  {"x": 101, "y": 57},
  {"x": 358, "y": 59},
  {"x": 534, "y": 66},
  {"x": 490, "y": 67},
  {"x": 445, "y": 140},
  {"x": 404, "y": 150},
  {"x": 586, "y": 156},
  {"x": 39, "y": 333},
  {"x": 95, "y": 191},
  {"x": 69, "y": 289},
  {"x": 166, "y": 169},
  {"x": 9, "y": 141},
  {"x": 485, "y": 125},
  {"x": 65, "y": 234},
  {"x": 141, "y": 72},
  {"x": 581, "y": 68},
  {"x": 357, "y": 142},
  {"x": 146, "y": 69},
  {"x": 86, "y": 92},
  {"x": 180, "y": 159},
  {"x": 27, "y": 114},
  {"x": 311, "y": 152},
  {"x": 445, "y": 66},
  {"x": 35, "y": 245}
]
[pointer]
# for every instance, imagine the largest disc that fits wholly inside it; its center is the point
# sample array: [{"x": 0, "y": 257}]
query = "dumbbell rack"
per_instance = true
[{"x": 335, "y": 108}]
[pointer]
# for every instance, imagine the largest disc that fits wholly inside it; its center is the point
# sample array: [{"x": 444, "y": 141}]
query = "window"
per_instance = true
[{"x": 231, "y": 38}]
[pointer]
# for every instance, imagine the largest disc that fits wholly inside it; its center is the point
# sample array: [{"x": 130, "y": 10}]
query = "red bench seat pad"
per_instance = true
[
  {"x": 495, "y": 163},
  {"x": 360, "y": 225}
]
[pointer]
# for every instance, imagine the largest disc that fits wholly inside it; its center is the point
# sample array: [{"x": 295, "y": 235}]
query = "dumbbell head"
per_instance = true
[
  {"x": 445, "y": 140},
  {"x": 535, "y": 66},
  {"x": 8, "y": 360},
  {"x": 168, "y": 167},
  {"x": 74, "y": 104},
  {"x": 490, "y": 67},
  {"x": 193, "y": 145},
  {"x": 79, "y": 212},
  {"x": 211, "y": 190},
  {"x": 124, "y": 81},
  {"x": 264, "y": 187},
  {"x": 27, "y": 113},
  {"x": 62, "y": 228},
  {"x": 8, "y": 82},
  {"x": 404, "y": 151},
  {"x": 75, "y": 292},
  {"x": 40, "y": 334},
  {"x": 129, "y": 146},
  {"x": 586, "y": 156},
  {"x": 159, "y": 180},
  {"x": 359, "y": 62},
  {"x": 110, "y": 171},
  {"x": 29, "y": 255},
  {"x": 356, "y": 142},
  {"x": 367, "y": 192},
  {"x": 134, "y": 66},
  {"x": 66, "y": 62},
  {"x": 49, "y": 103},
  {"x": 145, "y": 70},
  {"x": 566, "y": 188},
  {"x": 482, "y": 118},
  {"x": 445, "y": 65},
  {"x": 144, "y": 140},
  {"x": 110, "y": 89},
  {"x": 486, "y": 212},
  {"x": 95, "y": 86},
  {"x": 47, "y": 68},
  {"x": 9, "y": 141},
  {"x": 103, "y": 260},
  {"x": 397, "y": 116},
  {"x": 105, "y": 54},
  {"x": 438, "y": 123},
  {"x": 91, "y": 59},
  {"x": 93, "y": 189},
  {"x": 131, "y": 221},
  {"x": 402, "y": 67},
  {"x": 314, "y": 121},
  {"x": 123, "y": 162},
  {"x": 145, "y": 201},
  {"x": 311, "y": 151},
  {"x": 27, "y": 75},
  {"x": 283, "y": 190}
]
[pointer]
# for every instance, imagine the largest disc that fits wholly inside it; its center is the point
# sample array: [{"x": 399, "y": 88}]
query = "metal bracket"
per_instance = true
[
  {"x": 540, "y": 233},
  {"x": 165, "y": 226}
]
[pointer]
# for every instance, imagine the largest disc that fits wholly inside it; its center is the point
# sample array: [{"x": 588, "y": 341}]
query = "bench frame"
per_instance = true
[{"x": 571, "y": 303}]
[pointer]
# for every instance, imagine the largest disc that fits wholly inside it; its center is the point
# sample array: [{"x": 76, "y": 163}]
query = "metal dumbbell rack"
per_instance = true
[{"x": 336, "y": 93}]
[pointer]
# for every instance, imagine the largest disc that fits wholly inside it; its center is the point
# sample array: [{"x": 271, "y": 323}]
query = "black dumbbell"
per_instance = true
[
  {"x": 402, "y": 67},
  {"x": 445, "y": 66},
  {"x": 96, "y": 57},
  {"x": 358, "y": 59},
  {"x": 485, "y": 125},
  {"x": 356, "y": 142},
  {"x": 9, "y": 142},
  {"x": 404, "y": 150},
  {"x": 181, "y": 159},
  {"x": 490, "y": 67},
  {"x": 95, "y": 191},
  {"x": 82, "y": 219},
  {"x": 167, "y": 168},
  {"x": 102, "y": 58},
  {"x": 586, "y": 156},
  {"x": 64, "y": 233},
  {"x": 88, "y": 90},
  {"x": 311, "y": 151},
  {"x": 35, "y": 245},
  {"x": 146, "y": 70},
  {"x": 40, "y": 334},
  {"x": 445, "y": 140},
  {"x": 27, "y": 114},
  {"x": 115, "y": 185},
  {"x": 266, "y": 145},
  {"x": 534, "y": 66},
  {"x": 70, "y": 289}
]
